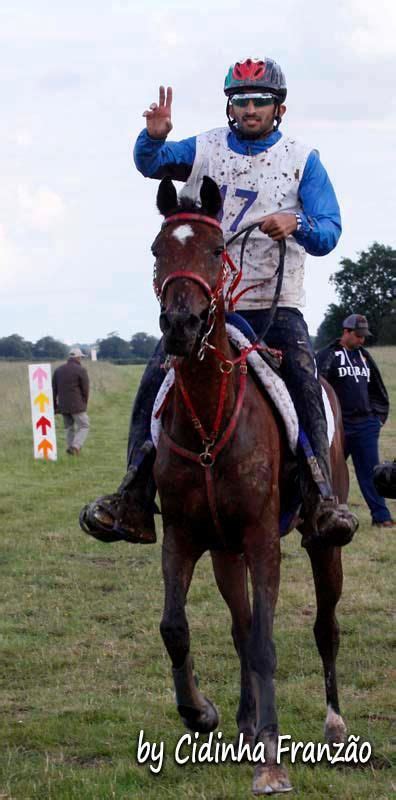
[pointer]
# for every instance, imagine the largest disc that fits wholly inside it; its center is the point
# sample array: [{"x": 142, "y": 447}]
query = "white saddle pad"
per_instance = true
[{"x": 273, "y": 384}]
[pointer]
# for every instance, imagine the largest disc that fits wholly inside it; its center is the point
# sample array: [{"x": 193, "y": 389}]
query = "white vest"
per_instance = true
[{"x": 253, "y": 187}]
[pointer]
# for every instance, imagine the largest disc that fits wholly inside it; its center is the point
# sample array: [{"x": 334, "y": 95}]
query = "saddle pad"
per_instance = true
[{"x": 272, "y": 383}]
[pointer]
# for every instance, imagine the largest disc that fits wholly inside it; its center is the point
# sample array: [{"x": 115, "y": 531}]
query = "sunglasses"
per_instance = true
[{"x": 259, "y": 100}]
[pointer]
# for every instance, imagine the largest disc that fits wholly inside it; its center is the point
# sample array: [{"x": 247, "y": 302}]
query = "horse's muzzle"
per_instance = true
[{"x": 180, "y": 330}]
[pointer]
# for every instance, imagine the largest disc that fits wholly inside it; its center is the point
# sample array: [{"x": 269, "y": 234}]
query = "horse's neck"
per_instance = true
[{"x": 203, "y": 380}]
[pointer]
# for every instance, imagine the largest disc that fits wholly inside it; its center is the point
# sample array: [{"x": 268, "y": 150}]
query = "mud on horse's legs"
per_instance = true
[
  {"x": 231, "y": 577},
  {"x": 327, "y": 572},
  {"x": 264, "y": 567},
  {"x": 178, "y": 562}
]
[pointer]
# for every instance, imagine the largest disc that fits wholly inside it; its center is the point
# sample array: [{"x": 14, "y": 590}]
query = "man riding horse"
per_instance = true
[{"x": 263, "y": 176}]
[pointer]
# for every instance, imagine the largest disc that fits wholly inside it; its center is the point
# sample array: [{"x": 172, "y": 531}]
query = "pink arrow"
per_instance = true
[
  {"x": 43, "y": 423},
  {"x": 40, "y": 376}
]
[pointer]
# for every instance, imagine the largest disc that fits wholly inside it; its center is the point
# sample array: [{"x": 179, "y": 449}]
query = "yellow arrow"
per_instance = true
[{"x": 42, "y": 400}]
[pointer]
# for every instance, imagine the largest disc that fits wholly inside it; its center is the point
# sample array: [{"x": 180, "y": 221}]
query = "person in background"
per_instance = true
[
  {"x": 70, "y": 386},
  {"x": 357, "y": 381}
]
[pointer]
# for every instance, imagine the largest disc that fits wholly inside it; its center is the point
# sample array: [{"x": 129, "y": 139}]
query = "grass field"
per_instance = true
[{"x": 82, "y": 665}]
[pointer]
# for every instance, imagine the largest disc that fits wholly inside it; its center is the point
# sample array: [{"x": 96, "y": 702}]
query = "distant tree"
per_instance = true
[
  {"x": 114, "y": 348},
  {"x": 143, "y": 345},
  {"x": 387, "y": 333},
  {"x": 14, "y": 346},
  {"x": 48, "y": 347},
  {"x": 331, "y": 327},
  {"x": 367, "y": 286}
]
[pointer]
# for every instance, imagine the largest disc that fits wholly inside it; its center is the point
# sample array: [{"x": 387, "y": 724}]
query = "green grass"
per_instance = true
[{"x": 82, "y": 664}]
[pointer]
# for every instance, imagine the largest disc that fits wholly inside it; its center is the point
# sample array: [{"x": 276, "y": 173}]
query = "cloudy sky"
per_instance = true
[{"x": 77, "y": 219}]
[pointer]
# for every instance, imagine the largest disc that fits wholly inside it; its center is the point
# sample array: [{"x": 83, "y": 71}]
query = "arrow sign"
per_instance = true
[
  {"x": 41, "y": 401},
  {"x": 45, "y": 446},
  {"x": 42, "y": 407},
  {"x": 43, "y": 423},
  {"x": 40, "y": 376}
]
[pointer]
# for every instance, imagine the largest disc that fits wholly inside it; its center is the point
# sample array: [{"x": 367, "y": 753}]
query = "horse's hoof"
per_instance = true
[
  {"x": 204, "y": 720},
  {"x": 269, "y": 779},
  {"x": 335, "y": 729}
]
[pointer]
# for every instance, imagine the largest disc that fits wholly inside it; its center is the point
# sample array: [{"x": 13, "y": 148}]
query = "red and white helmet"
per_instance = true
[{"x": 253, "y": 73}]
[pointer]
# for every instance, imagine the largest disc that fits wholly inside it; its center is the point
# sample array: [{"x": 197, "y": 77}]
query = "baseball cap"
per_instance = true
[
  {"x": 357, "y": 323},
  {"x": 75, "y": 352}
]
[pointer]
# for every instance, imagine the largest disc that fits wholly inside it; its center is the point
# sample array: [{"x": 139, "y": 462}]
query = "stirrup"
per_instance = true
[{"x": 90, "y": 522}]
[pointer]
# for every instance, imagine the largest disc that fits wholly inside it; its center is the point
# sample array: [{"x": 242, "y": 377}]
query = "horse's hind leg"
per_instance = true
[
  {"x": 178, "y": 562},
  {"x": 327, "y": 572},
  {"x": 231, "y": 577}
]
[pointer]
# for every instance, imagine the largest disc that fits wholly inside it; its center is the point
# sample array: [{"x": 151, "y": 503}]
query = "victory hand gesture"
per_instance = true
[{"x": 158, "y": 118}]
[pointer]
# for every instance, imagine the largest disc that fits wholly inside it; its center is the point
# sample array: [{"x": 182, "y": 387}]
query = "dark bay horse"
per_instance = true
[{"x": 218, "y": 466}]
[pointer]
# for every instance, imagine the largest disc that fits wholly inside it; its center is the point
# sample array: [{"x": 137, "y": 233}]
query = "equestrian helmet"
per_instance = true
[{"x": 254, "y": 73}]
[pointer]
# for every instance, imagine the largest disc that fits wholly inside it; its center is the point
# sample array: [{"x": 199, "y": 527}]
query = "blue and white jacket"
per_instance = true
[{"x": 256, "y": 177}]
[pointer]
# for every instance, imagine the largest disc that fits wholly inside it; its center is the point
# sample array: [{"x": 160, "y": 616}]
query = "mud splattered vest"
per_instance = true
[{"x": 253, "y": 187}]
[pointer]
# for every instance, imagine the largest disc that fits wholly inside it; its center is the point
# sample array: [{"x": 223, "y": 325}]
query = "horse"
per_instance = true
[{"x": 218, "y": 467}]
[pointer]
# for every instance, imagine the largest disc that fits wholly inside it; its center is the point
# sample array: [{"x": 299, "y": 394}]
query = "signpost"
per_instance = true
[{"x": 43, "y": 417}]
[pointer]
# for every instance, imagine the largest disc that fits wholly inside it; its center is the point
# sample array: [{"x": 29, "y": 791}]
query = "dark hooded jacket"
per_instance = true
[
  {"x": 70, "y": 386},
  {"x": 378, "y": 401}
]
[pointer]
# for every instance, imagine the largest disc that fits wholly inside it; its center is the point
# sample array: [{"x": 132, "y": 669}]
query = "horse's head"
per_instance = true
[{"x": 189, "y": 270}]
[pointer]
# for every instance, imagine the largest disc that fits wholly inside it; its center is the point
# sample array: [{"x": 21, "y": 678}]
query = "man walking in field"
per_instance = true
[{"x": 70, "y": 386}]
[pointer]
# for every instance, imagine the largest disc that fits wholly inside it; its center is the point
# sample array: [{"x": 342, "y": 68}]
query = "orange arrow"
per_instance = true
[
  {"x": 45, "y": 446},
  {"x": 42, "y": 400}
]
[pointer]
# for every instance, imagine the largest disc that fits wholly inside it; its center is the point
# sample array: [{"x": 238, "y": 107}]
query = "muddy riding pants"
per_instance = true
[{"x": 289, "y": 333}]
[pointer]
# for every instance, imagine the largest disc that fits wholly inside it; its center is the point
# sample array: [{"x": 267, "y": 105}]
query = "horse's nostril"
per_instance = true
[
  {"x": 193, "y": 322},
  {"x": 179, "y": 321}
]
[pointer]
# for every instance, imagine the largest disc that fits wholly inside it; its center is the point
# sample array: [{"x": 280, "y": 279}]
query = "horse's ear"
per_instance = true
[
  {"x": 210, "y": 197},
  {"x": 166, "y": 197}
]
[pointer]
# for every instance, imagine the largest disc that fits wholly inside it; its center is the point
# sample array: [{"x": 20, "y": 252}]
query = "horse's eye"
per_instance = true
[{"x": 218, "y": 251}]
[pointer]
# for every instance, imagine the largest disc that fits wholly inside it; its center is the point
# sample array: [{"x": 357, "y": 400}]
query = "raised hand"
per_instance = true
[{"x": 158, "y": 117}]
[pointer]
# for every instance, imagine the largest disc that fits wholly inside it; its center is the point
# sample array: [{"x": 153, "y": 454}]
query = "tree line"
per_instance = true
[
  {"x": 366, "y": 286},
  {"x": 113, "y": 348}
]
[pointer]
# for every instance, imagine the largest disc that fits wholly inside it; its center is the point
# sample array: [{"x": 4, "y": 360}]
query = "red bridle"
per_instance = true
[{"x": 215, "y": 293}]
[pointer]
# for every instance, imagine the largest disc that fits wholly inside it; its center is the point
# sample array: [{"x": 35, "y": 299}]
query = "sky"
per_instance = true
[{"x": 77, "y": 219}]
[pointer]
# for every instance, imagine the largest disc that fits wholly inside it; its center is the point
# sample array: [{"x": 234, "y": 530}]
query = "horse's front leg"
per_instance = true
[
  {"x": 263, "y": 560},
  {"x": 327, "y": 571},
  {"x": 179, "y": 557},
  {"x": 231, "y": 577}
]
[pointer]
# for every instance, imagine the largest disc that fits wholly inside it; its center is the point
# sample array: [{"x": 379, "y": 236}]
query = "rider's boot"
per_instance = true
[
  {"x": 128, "y": 513},
  {"x": 325, "y": 521}
]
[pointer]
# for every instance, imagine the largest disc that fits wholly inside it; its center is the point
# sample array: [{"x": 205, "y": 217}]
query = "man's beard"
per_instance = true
[{"x": 261, "y": 134}]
